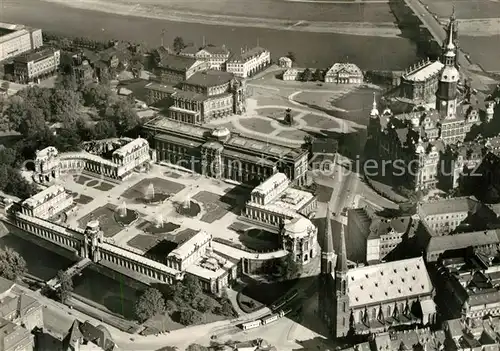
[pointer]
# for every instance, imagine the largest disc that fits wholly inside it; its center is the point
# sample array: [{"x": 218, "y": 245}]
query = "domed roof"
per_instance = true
[
  {"x": 297, "y": 226},
  {"x": 450, "y": 74},
  {"x": 221, "y": 132},
  {"x": 93, "y": 224}
]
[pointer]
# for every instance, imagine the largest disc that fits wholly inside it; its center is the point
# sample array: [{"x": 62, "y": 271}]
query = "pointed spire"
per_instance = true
[
  {"x": 374, "y": 112},
  {"x": 453, "y": 17},
  {"x": 328, "y": 239},
  {"x": 342, "y": 254}
]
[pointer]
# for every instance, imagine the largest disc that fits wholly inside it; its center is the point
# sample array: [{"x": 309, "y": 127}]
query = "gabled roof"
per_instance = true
[
  {"x": 209, "y": 78},
  {"x": 176, "y": 63},
  {"x": 371, "y": 285}
]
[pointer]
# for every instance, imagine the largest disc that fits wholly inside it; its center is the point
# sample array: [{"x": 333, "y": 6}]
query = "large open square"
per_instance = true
[{"x": 129, "y": 219}]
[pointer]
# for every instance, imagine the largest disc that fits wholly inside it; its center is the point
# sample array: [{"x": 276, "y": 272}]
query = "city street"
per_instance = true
[{"x": 439, "y": 33}]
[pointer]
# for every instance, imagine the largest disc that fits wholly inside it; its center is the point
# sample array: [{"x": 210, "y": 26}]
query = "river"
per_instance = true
[
  {"x": 311, "y": 49},
  {"x": 116, "y": 296}
]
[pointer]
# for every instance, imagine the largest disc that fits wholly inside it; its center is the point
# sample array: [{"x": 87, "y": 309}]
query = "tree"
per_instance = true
[
  {"x": 15, "y": 111},
  {"x": 103, "y": 130},
  {"x": 306, "y": 76},
  {"x": 196, "y": 347},
  {"x": 149, "y": 304},
  {"x": 288, "y": 268},
  {"x": 189, "y": 316},
  {"x": 64, "y": 104},
  {"x": 193, "y": 287},
  {"x": 204, "y": 303},
  {"x": 226, "y": 309},
  {"x": 179, "y": 44},
  {"x": 124, "y": 116},
  {"x": 66, "y": 286},
  {"x": 33, "y": 122},
  {"x": 318, "y": 75},
  {"x": 12, "y": 265},
  {"x": 291, "y": 56}
]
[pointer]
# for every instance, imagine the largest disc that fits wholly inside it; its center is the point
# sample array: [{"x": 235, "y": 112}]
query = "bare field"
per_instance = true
[{"x": 474, "y": 9}]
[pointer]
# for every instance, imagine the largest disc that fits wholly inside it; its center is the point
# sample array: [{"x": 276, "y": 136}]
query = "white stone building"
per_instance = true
[
  {"x": 300, "y": 238},
  {"x": 344, "y": 73},
  {"x": 49, "y": 163},
  {"x": 291, "y": 74},
  {"x": 274, "y": 201},
  {"x": 248, "y": 62},
  {"x": 285, "y": 62},
  {"x": 47, "y": 203}
]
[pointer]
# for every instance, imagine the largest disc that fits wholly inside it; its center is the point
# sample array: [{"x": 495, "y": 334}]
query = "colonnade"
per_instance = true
[{"x": 51, "y": 232}]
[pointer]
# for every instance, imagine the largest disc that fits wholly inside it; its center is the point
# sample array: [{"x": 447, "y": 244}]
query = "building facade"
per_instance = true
[
  {"x": 299, "y": 237},
  {"x": 31, "y": 66},
  {"x": 274, "y": 202},
  {"x": 344, "y": 73},
  {"x": 208, "y": 95},
  {"x": 248, "y": 62},
  {"x": 420, "y": 82},
  {"x": 373, "y": 298},
  {"x": 47, "y": 203},
  {"x": 218, "y": 153},
  {"x": 16, "y": 39},
  {"x": 49, "y": 164},
  {"x": 173, "y": 69}
]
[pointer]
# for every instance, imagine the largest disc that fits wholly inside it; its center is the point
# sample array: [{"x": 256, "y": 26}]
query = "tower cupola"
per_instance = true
[{"x": 374, "y": 112}]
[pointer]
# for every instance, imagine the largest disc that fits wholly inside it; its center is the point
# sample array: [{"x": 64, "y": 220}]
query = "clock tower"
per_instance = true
[{"x": 447, "y": 93}]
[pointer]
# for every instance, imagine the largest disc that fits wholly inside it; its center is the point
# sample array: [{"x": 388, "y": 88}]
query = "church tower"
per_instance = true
[
  {"x": 341, "y": 304},
  {"x": 374, "y": 123},
  {"x": 326, "y": 280},
  {"x": 447, "y": 92}
]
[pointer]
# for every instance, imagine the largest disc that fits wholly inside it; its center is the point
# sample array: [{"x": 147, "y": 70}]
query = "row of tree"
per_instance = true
[
  {"x": 34, "y": 110},
  {"x": 185, "y": 298}
]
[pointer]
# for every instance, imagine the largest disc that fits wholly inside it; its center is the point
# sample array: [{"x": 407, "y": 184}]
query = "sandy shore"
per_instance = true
[{"x": 148, "y": 10}]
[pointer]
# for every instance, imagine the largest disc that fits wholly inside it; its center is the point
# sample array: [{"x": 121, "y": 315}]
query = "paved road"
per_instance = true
[{"x": 439, "y": 34}]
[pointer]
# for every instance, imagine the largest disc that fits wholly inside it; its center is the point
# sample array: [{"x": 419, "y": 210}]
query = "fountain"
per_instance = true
[
  {"x": 188, "y": 208},
  {"x": 151, "y": 196},
  {"x": 125, "y": 216},
  {"x": 159, "y": 221},
  {"x": 122, "y": 209},
  {"x": 187, "y": 202},
  {"x": 160, "y": 226}
]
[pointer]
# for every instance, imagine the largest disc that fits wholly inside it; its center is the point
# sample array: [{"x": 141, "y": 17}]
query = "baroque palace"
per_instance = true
[
  {"x": 221, "y": 154},
  {"x": 419, "y": 138}
]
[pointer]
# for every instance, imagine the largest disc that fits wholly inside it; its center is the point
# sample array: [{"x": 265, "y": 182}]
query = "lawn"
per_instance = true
[
  {"x": 317, "y": 121},
  {"x": 82, "y": 199},
  {"x": 260, "y": 240},
  {"x": 359, "y": 104},
  {"x": 104, "y": 186},
  {"x": 216, "y": 206},
  {"x": 105, "y": 216},
  {"x": 160, "y": 185},
  {"x": 257, "y": 124},
  {"x": 80, "y": 179},
  {"x": 144, "y": 242}
]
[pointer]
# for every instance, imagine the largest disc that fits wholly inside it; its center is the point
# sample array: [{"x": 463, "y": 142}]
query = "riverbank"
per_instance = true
[
  {"x": 311, "y": 49},
  {"x": 157, "y": 11}
]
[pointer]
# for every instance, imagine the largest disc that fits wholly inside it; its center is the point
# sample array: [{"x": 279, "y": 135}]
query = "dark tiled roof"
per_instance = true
[
  {"x": 189, "y": 95},
  {"x": 177, "y": 63},
  {"x": 247, "y": 55},
  {"x": 210, "y": 78},
  {"x": 216, "y": 50},
  {"x": 34, "y": 56}
]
